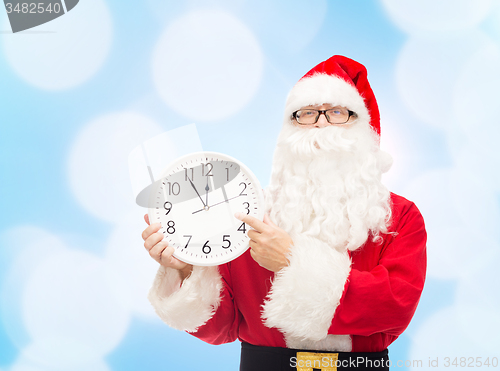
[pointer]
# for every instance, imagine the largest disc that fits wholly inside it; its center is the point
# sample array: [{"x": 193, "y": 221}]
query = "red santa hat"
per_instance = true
[{"x": 338, "y": 81}]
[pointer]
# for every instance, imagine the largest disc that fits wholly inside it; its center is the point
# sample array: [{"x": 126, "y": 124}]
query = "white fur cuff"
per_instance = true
[
  {"x": 305, "y": 295},
  {"x": 188, "y": 307}
]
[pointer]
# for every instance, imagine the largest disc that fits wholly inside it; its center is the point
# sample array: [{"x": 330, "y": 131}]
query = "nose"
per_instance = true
[{"x": 322, "y": 121}]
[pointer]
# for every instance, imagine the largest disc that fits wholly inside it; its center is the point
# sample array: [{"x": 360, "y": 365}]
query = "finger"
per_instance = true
[
  {"x": 165, "y": 254},
  {"x": 256, "y": 249},
  {"x": 153, "y": 228},
  {"x": 253, "y": 234},
  {"x": 267, "y": 220},
  {"x": 157, "y": 250},
  {"x": 167, "y": 259},
  {"x": 146, "y": 218},
  {"x": 252, "y": 222},
  {"x": 173, "y": 262},
  {"x": 152, "y": 241}
]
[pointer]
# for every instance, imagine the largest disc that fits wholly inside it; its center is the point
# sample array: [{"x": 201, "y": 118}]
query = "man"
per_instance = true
[{"x": 335, "y": 271}]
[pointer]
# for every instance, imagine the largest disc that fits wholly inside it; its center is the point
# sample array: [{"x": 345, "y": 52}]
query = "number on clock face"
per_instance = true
[{"x": 196, "y": 201}]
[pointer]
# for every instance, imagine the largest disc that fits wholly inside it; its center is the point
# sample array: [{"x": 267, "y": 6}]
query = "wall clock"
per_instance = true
[{"x": 195, "y": 201}]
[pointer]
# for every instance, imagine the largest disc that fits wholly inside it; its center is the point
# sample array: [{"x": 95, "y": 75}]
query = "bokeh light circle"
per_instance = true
[
  {"x": 427, "y": 70},
  {"x": 207, "y": 65},
  {"x": 25, "y": 362},
  {"x": 437, "y": 338},
  {"x": 430, "y": 16},
  {"x": 479, "y": 285},
  {"x": 431, "y": 193},
  {"x": 476, "y": 100},
  {"x": 65, "y": 52},
  {"x": 125, "y": 252},
  {"x": 72, "y": 302},
  {"x": 289, "y": 28},
  {"x": 475, "y": 202},
  {"x": 475, "y": 160},
  {"x": 481, "y": 324},
  {"x": 98, "y": 163},
  {"x": 449, "y": 251},
  {"x": 27, "y": 252}
]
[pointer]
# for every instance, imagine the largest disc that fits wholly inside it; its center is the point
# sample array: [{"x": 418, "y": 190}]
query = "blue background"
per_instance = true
[{"x": 445, "y": 152}]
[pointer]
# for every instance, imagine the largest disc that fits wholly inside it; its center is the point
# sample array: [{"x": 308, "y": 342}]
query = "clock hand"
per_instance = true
[
  {"x": 206, "y": 194},
  {"x": 204, "y": 205},
  {"x": 224, "y": 193},
  {"x": 218, "y": 203}
]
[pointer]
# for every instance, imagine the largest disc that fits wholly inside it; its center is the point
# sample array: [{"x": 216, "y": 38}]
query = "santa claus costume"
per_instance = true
[{"x": 357, "y": 264}]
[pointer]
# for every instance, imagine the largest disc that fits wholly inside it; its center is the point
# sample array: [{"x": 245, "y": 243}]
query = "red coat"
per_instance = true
[{"x": 380, "y": 294}]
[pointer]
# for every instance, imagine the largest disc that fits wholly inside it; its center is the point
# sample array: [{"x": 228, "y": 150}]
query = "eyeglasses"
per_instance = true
[{"x": 336, "y": 115}]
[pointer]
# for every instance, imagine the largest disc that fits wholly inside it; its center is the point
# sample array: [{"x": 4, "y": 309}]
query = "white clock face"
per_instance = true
[{"x": 195, "y": 202}]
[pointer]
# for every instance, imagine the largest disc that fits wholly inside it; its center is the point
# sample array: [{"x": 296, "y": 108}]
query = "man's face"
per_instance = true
[
  {"x": 326, "y": 179},
  {"x": 322, "y": 121}
]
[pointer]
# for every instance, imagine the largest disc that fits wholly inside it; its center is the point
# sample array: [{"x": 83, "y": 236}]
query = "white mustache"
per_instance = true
[{"x": 316, "y": 141}]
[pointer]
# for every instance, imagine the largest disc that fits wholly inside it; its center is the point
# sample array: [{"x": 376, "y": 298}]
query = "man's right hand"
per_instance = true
[{"x": 161, "y": 251}]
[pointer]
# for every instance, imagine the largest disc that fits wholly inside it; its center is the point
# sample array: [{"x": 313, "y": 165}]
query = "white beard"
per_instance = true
[{"x": 326, "y": 183}]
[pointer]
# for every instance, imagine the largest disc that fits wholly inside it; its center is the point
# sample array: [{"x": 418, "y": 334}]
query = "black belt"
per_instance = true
[{"x": 256, "y": 358}]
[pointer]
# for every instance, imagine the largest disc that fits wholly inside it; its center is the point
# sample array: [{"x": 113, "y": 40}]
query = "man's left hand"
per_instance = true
[{"x": 269, "y": 244}]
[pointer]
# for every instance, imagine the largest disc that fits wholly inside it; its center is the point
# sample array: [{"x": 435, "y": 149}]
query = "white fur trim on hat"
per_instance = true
[
  {"x": 304, "y": 295},
  {"x": 191, "y": 305},
  {"x": 323, "y": 88}
]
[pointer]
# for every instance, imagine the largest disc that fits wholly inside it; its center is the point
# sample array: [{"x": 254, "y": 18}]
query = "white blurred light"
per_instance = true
[
  {"x": 462, "y": 217},
  {"x": 481, "y": 325},
  {"x": 441, "y": 336},
  {"x": 427, "y": 70},
  {"x": 456, "y": 239},
  {"x": 163, "y": 10},
  {"x": 25, "y": 363},
  {"x": 27, "y": 243},
  {"x": 291, "y": 27},
  {"x": 215, "y": 3},
  {"x": 4, "y": 21},
  {"x": 29, "y": 246},
  {"x": 207, "y": 65},
  {"x": 474, "y": 160},
  {"x": 431, "y": 193},
  {"x": 493, "y": 23},
  {"x": 73, "y": 310},
  {"x": 59, "y": 352},
  {"x": 98, "y": 163},
  {"x": 65, "y": 52},
  {"x": 22, "y": 364},
  {"x": 453, "y": 251},
  {"x": 479, "y": 286},
  {"x": 476, "y": 203},
  {"x": 430, "y": 16},
  {"x": 476, "y": 100},
  {"x": 125, "y": 252},
  {"x": 391, "y": 143},
  {"x": 231, "y": 6}
]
